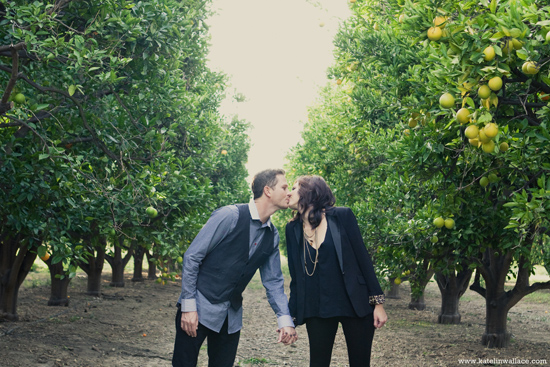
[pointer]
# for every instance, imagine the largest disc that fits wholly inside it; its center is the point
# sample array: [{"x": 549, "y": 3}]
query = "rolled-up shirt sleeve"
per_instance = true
[
  {"x": 221, "y": 223},
  {"x": 273, "y": 281}
]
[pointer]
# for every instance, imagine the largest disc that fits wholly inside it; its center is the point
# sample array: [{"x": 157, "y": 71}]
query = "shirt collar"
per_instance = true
[{"x": 255, "y": 216}]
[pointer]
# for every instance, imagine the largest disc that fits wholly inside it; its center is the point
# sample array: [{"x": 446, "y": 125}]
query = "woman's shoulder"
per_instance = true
[
  {"x": 292, "y": 223},
  {"x": 339, "y": 211}
]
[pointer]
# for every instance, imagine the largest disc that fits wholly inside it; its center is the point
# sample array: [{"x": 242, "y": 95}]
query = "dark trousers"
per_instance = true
[
  {"x": 358, "y": 332},
  {"x": 222, "y": 347}
]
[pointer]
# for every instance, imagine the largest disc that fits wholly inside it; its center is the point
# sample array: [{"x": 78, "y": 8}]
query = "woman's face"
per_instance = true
[{"x": 293, "y": 196}]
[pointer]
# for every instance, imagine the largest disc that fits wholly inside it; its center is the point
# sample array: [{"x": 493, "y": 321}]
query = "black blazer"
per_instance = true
[{"x": 355, "y": 263}]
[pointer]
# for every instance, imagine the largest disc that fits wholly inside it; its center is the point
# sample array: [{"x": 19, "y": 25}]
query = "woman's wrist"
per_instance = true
[{"x": 377, "y": 299}]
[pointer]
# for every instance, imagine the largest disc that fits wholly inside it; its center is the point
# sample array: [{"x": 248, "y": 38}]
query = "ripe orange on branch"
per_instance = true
[
  {"x": 495, "y": 83},
  {"x": 488, "y": 147},
  {"x": 449, "y": 223},
  {"x": 489, "y": 53},
  {"x": 439, "y": 222},
  {"x": 463, "y": 115},
  {"x": 447, "y": 100},
  {"x": 491, "y": 130},
  {"x": 484, "y": 91},
  {"x": 471, "y": 132},
  {"x": 434, "y": 33},
  {"x": 440, "y": 21}
]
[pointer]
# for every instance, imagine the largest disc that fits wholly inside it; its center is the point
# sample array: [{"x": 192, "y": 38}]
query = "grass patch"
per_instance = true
[
  {"x": 541, "y": 296},
  {"x": 256, "y": 281},
  {"x": 284, "y": 266}
]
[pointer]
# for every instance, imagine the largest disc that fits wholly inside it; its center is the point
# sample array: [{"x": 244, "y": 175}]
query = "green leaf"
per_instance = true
[
  {"x": 72, "y": 89},
  {"x": 43, "y": 156},
  {"x": 522, "y": 54},
  {"x": 493, "y": 6},
  {"x": 41, "y": 251}
]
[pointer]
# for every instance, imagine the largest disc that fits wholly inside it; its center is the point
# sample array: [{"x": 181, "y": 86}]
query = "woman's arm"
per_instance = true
[
  {"x": 349, "y": 222},
  {"x": 290, "y": 246}
]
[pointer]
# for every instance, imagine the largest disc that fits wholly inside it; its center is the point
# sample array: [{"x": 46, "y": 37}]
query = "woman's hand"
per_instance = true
[
  {"x": 380, "y": 316},
  {"x": 287, "y": 335}
]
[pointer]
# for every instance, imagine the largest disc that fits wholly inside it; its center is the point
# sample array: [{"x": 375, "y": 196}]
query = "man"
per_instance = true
[{"x": 217, "y": 267}]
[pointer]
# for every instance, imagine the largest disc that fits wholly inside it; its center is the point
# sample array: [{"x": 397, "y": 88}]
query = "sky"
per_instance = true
[{"x": 276, "y": 53}]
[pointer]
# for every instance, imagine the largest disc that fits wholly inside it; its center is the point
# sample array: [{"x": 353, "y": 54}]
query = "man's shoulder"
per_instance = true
[{"x": 226, "y": 211}]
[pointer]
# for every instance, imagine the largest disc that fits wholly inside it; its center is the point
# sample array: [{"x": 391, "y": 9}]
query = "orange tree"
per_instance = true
[
  {"x": 469, "y": 99},
  {"x": 107, "y": 109}
]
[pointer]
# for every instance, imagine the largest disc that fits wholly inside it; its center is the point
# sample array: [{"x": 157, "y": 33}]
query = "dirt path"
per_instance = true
[{"x": 134, "y": 326}]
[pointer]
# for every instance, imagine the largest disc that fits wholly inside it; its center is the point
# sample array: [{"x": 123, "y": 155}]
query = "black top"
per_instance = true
[
  {"x": 326, "y": 295},
  {"x": 354, "y": 263}
]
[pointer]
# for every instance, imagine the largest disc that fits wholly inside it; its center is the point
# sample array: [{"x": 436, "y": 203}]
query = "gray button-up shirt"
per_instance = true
[{"x": 221, "y": 223}]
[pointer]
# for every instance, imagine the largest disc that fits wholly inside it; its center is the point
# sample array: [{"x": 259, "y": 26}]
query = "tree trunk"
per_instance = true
[
  {"x": 393, "y": 293},
  {"x": 417, "y": 302},
  {"x": 139, "y": 251},
  {"x": 94, "y": 267},
  {"x": 494, "y": 268},
  {"x": 422, "y": 276},
  {"x": 151, "y": 261},
  {"x": 496, "y": 334},
  {"x": 59, "y": 284},
  {"x": 452, "y": 287},
  {"x": 118, "y": 263},
  {"x": 15, "y": 263}
]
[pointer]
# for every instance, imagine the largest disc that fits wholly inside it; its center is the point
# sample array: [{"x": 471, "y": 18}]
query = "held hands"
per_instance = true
[
  {"x": 287, "y": 335},
  {"x": 380, "y": 316},
  {"x": 190, "y": 323}
]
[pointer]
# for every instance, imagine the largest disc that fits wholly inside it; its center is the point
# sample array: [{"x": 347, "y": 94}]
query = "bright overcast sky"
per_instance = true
[{"x": 276, "y": 54}]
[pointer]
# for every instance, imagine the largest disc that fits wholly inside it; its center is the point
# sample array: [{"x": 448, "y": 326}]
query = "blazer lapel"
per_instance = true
[
  {"x": 299, "y": 244},
  {"x": 337, "y": 239}
]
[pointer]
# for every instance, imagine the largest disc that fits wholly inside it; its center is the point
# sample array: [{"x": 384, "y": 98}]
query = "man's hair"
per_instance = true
[{"x": 265, "y": 178}]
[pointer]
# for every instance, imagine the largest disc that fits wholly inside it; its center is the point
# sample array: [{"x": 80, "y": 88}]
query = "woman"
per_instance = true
[{"x": 333, "y": 279}]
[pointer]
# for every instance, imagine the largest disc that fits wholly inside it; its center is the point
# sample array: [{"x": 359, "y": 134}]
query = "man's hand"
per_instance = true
[
  {"x": 287, "y": 335},
  {"x": 380, "y": 316},
  {"x": 190, "y": 323}
]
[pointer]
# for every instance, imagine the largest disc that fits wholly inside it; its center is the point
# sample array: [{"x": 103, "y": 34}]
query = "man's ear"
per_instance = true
[{"x": 267, "y": 191}]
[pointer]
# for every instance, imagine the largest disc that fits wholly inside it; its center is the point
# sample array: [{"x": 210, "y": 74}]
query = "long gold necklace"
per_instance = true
[{"x": 306, "y": 245}]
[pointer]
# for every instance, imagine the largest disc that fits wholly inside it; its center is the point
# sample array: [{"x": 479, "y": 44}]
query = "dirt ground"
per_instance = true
[{"x": 134, "y": 326}]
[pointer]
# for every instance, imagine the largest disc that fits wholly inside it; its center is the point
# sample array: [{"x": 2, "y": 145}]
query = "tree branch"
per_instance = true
[
  {"x": 14, "y": 71},
  {"x": 17, "y": 47},
  {"x": 476, "y": 285},
  {"x": 10, "y": 124},
  {"x": 76, "y": 140},
  {"x": 5, "y": 107},
  {"x": 528, "y": 183},
  {"x": 506, "y": 101}
]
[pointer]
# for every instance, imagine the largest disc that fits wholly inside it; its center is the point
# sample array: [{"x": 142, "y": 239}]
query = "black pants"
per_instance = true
[
  {"x": 222, "y": 347},
  {"x": 358, "y": 332}
]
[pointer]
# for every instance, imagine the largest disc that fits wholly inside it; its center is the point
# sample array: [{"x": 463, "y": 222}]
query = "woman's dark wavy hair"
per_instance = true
[{"x": 314, "y": 193}]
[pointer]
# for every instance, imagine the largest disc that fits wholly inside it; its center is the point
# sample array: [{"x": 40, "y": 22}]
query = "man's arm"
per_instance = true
[
  {"x": 273, "y": 281},
  {"x": 221, "y": 222}
]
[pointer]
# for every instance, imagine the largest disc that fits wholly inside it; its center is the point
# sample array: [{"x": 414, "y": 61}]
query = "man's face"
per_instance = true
[{"x": 279, "y": 194}]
